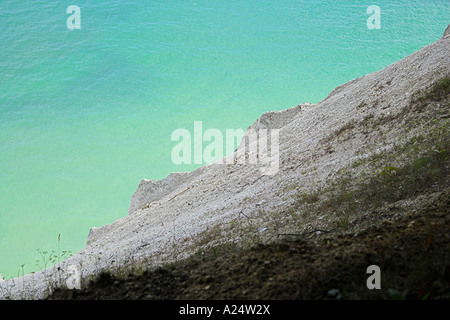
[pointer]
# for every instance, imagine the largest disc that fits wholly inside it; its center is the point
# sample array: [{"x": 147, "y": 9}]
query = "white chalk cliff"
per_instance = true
[{"x": 164, "y": 215}]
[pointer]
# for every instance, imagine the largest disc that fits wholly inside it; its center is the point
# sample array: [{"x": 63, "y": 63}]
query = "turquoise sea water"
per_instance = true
[{"x": 86, "y": 114}]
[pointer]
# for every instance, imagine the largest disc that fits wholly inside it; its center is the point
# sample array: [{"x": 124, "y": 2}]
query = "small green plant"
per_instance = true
[
  {"x": 52, "y": 257},
  {"x": 344, "y": 219},
  {"x": 46, "y": 259}
]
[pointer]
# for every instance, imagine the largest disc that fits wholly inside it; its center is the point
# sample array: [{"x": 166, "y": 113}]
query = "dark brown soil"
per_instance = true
[{"x": 413, "y": 254}]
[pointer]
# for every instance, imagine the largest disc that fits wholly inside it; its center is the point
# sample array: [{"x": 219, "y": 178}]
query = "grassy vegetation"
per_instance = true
[
  {"x": 411, "y": 168},
  {"x": 437, "y": 92}
]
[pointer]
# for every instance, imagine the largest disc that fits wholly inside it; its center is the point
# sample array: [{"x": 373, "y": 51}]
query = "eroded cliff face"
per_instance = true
[
  {"x": 150, "y": 191},
  {"x": 166, "y": 218}
]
